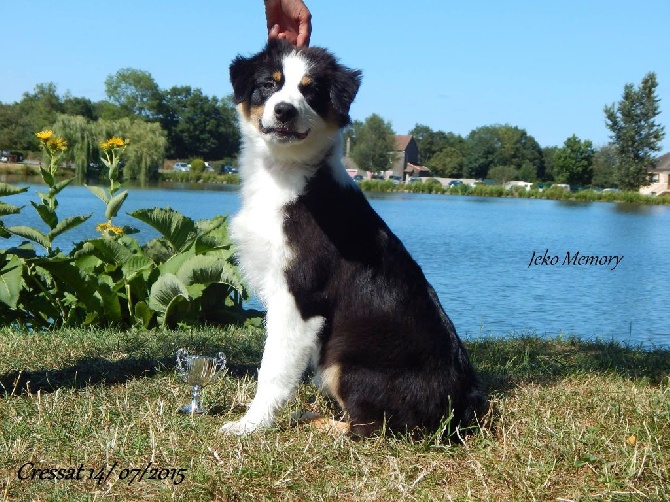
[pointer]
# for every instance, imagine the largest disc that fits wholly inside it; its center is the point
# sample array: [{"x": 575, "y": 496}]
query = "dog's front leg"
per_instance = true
[{"x": 289, "y": 346}]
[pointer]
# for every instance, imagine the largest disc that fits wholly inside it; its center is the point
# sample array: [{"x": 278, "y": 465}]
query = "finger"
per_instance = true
[{"x": 274, "y": 31}]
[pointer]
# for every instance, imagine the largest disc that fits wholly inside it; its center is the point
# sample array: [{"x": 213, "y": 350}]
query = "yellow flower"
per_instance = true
[
  {"x": 45, "y": 135},
  {"x": 113, "y": 143},
  {"x": 108, "y": 228},
  {"x": 57, "y": 144}
]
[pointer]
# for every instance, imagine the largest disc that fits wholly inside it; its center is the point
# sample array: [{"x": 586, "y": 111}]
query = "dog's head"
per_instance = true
[{"x": 290, "y": 95}]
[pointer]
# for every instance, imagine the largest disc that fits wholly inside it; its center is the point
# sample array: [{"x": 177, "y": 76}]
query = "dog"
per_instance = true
[{"x": 342, "y": 293}]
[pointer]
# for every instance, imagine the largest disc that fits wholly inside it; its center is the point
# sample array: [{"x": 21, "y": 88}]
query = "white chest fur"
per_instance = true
[{"x": 257, "y": 229}]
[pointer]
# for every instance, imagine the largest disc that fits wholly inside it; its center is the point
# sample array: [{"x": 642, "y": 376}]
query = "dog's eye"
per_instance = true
[{"x": 269, "y": 85}]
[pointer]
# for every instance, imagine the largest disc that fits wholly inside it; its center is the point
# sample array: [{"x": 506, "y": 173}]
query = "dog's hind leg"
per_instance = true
[
  {"x": 320, "y": 422},
  {"x": 290, "y": 344}
]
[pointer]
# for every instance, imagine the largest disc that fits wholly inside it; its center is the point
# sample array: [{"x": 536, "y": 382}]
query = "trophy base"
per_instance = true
[{"x": 191, "y": 410}]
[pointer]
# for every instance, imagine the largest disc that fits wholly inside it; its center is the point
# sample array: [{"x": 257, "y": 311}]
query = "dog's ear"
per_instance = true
[
  {"x": 343, "y": 89},
  {"x": 242, "y": 78}
]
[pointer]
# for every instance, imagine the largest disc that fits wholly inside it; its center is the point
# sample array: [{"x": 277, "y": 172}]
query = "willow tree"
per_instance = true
[
  {"x": 80, "y": 135},
  {"x": 146, "y": 148}
]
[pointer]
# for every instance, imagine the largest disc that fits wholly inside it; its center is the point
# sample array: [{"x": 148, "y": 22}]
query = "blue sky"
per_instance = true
[{"x": 547, "y": 67}]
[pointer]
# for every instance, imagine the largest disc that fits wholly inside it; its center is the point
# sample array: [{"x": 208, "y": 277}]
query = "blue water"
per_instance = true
[{"x": 476, "y": 253}]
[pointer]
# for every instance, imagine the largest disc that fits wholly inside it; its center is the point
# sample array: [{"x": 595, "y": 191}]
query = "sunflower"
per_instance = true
[
  {"x": 114, "y": 142},
  {"x": 45, "y": 135},
  {"x": 108, "y": 228},
  {"x": 57, "y": 144}
]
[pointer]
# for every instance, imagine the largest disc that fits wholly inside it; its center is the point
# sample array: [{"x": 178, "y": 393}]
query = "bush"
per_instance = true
[
  {"x": 197, "y": 169},
  {"x": 378, "y": 186}
]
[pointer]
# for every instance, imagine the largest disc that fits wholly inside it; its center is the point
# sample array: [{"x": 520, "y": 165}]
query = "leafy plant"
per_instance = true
[
  {"x": 185, "y": 276},
  {"x": 54, "y": 147},
  {"x": 112, "y": 150}
]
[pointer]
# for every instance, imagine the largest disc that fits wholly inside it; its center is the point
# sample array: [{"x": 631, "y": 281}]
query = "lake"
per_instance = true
[{"x": 499, "y": 266}]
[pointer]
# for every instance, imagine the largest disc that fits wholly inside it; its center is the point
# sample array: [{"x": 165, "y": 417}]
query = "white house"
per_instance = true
[{"x": 660, "y": 177}]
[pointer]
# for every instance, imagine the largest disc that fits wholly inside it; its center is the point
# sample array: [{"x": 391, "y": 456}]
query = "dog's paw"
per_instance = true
[{"x": 241, "y": 427}]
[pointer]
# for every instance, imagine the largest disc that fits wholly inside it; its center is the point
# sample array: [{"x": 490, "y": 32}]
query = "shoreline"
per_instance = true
[{"x": 385, "y": 186}]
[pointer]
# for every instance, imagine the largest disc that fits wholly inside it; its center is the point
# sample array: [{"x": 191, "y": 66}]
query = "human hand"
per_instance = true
[{"x": 289, "y": 20}]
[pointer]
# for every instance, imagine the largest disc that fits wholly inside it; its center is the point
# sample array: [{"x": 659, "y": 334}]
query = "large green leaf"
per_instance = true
[
  {"x": 165, "y": 290},
  {"x": 31, "y": 234},
  {"x": 47, "y": 176},
  {"x": 7, "y": 189},
  {"x": 47, "y": 214},
  {"x": 67, "y": 224},
  {"x": 110, "y": 299},
  {"x": 99, "y": 193},
  {"x": 111, "y": 251},
  {"x": 11, "y": 279},
  {"x": 83, "y": 286},
  {"x": 58, "y": 187},
  {"x": 206, "y": 269},
  {"x": 179, "y": 310},
  {"x": 114, "y": 204},
  {"x": 6, "y": 209},
  {"x": 136, "y": 264},
  {"x": 179, "y": 230},
  {"x": 144, "y": 314}
]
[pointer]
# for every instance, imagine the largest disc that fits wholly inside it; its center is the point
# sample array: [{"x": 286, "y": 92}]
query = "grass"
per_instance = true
[{"x": 570, "y": 420}]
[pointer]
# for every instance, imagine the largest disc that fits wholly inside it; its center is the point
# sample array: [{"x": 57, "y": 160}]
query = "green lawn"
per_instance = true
[{"x": 569, "y": 421}]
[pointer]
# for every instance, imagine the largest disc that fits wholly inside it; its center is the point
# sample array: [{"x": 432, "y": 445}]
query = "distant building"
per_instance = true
[
  {"x": 659, "y": 176},
  {"x": 416, "y": 171},
  {"x": 406, "y": 152}
]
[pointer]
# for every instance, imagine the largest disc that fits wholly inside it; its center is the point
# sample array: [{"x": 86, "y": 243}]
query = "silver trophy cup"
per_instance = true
[{"x": 198, "y": 371}]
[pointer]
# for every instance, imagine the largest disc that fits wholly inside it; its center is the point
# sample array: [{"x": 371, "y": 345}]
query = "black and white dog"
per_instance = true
[{"x": 342, "y": 292}]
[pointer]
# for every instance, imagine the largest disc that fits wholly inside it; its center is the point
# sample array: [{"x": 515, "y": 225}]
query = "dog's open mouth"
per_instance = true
[{"x": 283, "y": 132}]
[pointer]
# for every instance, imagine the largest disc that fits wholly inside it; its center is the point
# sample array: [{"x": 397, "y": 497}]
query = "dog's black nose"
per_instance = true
[{"x": 285, "y": 112}]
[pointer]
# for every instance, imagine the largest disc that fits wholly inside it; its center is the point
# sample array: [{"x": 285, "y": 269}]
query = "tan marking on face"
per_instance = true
[
  {"x": 277, "y": 76},
  {"x": 305, "y": 81},
  {"x": 255, "y": 114},
  {"x": 244, "y": 109}
]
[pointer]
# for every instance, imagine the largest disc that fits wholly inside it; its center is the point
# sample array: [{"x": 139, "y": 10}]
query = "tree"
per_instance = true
[
  {"x": 548, "y": 153},
  {"x": 502, "y": 145},
  {"x": 374, "y": 143},
  {"x": 503, "y": 174},
  {"x": 604, "y": 167},
  {"x": 447, "y": 163},
  {"x": 573, "y": 163},
  {"x": 636, "y": 135},
  {"x": 80, "y": 135},
  {"x": 146, "y": 149},
  {"x": 135, "y": 92},
  {"x": 198, "y": 125}
]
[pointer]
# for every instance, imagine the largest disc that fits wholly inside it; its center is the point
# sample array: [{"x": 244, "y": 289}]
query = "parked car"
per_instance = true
[
  {"x": 182, "y": 167},
  {"x": 358, "y": 178},
  {"x": 395, "y": 178},
  {"x": 454, "y": 183},
  {"x": 414, "y": 179},
  {"x": 229, "y": 170}
]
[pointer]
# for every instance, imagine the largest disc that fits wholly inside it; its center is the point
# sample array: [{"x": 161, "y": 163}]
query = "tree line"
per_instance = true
[
  {"x": 183, "y": 123},
  {"x": 505, "y": 152},
  {"x": 179, "y": 123}
]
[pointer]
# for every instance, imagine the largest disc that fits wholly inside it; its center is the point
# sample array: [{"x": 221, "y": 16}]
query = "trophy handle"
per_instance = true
[
  {"x": 220, "y": 361},
  {"x": 181, "y": 361}
]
